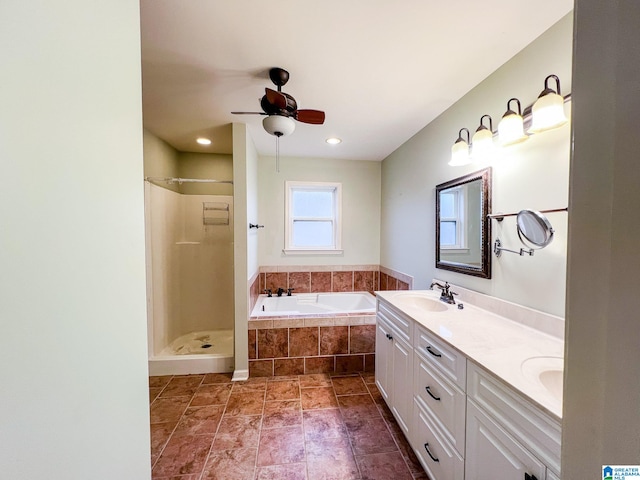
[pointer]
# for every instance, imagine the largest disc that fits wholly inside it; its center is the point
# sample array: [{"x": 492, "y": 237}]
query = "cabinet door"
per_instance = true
[
  {"x": 384, "y": 344},
  {"x": 493, "y": 454},
  {"x": 402, "y": 382},
  {"x": 552, "y": 476}
]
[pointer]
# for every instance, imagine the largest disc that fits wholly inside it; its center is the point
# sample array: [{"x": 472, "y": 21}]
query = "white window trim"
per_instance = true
[
  {"x": 336, "y": 249},
  {"x": 461, "y": 234}
]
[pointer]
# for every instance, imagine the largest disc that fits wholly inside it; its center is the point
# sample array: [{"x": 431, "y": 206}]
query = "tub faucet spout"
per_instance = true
[{"x": 280, "y": 291}]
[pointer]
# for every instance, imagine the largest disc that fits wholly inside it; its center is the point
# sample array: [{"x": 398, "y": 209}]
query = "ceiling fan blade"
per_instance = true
[
  {"x": 315, "y": 117},
  {"x": 248, "y": 113},
  {"x": 276, "y": 99}
]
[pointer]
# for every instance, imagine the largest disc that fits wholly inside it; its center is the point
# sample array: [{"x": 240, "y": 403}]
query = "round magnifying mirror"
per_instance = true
[{"x": 534, "y": 228}]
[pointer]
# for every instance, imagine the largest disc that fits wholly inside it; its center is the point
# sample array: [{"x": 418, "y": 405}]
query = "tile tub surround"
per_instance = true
[
  {"x": 307, "y": 427},
  {"x": 325, "y": 279},
  {"x": 339, "y": 349},
  {"x": 306, "y": 345}
]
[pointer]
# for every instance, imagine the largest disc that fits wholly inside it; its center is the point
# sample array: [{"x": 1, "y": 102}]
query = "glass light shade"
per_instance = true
[
  {"x": 279, "y": 125},
  {"x": 460, "y": 153},
  {"x": 511, "y": 129},
  {"x": 482, "y": 144},
  {"x": 547, "y": 113}
]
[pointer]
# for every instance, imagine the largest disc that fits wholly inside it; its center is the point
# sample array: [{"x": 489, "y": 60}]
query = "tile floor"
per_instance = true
[{"x": 303, "y": 427}]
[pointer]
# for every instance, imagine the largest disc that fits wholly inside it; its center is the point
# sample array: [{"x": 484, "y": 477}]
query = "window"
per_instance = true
[
  {"x": 313, "y": 217},
  {"x": 452, "y": 208}
]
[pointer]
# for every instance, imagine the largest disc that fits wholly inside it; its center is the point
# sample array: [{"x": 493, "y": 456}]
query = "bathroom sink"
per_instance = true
[
  {"x": 420, "y": 301},
  {"x": 546, "y": 372}
]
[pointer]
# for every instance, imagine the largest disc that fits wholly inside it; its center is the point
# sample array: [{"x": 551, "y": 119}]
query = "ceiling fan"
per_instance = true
[{"x": 280, "y": 108}]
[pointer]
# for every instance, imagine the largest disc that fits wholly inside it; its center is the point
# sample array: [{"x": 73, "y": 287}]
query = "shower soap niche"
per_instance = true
[{"x": 215, "y": 213}]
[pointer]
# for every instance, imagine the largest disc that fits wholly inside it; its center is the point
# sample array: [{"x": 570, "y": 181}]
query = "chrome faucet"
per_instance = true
[{"x": 447, "y": 294}]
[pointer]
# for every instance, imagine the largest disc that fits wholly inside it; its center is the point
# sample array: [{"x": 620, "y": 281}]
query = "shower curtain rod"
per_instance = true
[{"x": 186, "y": 180}]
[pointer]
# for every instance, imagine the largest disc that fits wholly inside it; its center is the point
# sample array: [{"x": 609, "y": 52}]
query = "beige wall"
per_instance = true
[
  {"x": 531, "y": 175},
  {"x": 73, "y": 353},
  {"x": 360, "y": 208},
  {"x": 206, "y": 165},
  {"x": 162, "y": 160}
]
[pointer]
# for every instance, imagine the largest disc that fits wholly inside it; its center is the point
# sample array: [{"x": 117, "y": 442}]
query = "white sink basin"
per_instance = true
[
  {"x": 420, "y": 301},
  {"x": 546, "y": 372}
]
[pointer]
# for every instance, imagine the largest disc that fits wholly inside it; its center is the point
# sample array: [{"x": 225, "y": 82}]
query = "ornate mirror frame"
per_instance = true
[{"x": 482, "y": 270}]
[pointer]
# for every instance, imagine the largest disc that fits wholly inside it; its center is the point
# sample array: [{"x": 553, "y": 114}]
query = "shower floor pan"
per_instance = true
[{"x": 209, "y": 351}]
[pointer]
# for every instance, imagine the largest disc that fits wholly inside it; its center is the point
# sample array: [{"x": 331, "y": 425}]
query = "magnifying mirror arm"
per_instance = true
[{"x": 498, "y": 249}]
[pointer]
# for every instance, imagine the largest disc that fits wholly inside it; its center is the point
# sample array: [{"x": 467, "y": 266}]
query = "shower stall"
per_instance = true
[{"x": 190, "y": 302}]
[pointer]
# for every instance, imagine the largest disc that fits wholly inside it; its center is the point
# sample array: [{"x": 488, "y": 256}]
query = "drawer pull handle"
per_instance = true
[
  {"x": 426, "y": 447},
  {"x": 431, "y": 394},
  {"x": 432, "y": 351},
  {"x": 529, "y": 477},
  {"x": 389, "y": 337}
]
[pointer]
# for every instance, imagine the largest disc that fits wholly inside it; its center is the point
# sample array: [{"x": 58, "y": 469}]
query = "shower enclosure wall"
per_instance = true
[{"x": 189, "y": 282}]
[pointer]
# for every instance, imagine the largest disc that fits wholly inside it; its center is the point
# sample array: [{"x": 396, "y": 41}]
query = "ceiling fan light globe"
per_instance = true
[{"x": 278, "y": 125}]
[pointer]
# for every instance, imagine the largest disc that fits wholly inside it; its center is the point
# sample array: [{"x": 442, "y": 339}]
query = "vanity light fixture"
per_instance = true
[
  {"x": 333, "y": 140},
  {"x": 203, "y": 141},
  {"x": 548, "y": 111},
  {"x": 482, "y": 140},
  {"x": 511, "y": 127},
  {"x": 460, "y": 150}
]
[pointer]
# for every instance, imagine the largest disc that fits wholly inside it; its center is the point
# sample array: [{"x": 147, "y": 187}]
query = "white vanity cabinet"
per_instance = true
[
  {"x": 394, "y": 362},
  {"x": 507, "y": 436},
  {"x": 462, "y": 421},
  {"x": 438, "y": 438}
]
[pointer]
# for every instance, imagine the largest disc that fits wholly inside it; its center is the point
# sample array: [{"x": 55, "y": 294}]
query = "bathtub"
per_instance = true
[
  {"x": 314, "y": 304},
  {"x": 197, "y": 352}
]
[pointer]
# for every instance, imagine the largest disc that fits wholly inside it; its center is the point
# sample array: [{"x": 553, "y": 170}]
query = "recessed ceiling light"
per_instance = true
[
  {"x": 203, "y": 141},
  {"x": 333, "y": 140}
]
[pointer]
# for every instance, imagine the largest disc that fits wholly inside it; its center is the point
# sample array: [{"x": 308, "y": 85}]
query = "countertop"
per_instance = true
[{"x": 496, "y": 343}]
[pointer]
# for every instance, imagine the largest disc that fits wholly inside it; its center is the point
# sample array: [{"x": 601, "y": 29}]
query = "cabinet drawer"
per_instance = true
[
  {"x": 526, "y": 422},
  {"x": 440, "y": 460},
  {"x": 449, "y": 362},
  {"x": 442, "y": 399},
  {"x": 400, "y": 322}
]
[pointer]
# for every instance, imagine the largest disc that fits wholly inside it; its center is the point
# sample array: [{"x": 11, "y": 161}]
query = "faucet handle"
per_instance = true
[
  {"x": 289, "y": 290},
  {"x": 268, "y": 291}
]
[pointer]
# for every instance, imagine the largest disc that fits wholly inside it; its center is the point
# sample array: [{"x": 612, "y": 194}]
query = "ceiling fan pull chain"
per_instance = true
[{"x": 277, "y": 154}]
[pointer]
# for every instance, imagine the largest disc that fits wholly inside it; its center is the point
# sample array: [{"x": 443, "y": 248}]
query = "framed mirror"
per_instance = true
[{"x": 463, "y": 229}]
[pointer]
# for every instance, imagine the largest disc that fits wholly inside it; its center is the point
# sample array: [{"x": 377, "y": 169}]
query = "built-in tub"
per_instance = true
[{"x": 313, "y": 304}]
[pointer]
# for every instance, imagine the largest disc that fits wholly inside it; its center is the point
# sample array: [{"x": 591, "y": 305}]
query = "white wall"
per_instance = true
[
  {"x": 245, "y": 245},
  {"x": 601, "y": 419},
  {"x": 73, "y": 357},
  {"x": 360, "y": 208},
  {"x": 531, "y": 175}
]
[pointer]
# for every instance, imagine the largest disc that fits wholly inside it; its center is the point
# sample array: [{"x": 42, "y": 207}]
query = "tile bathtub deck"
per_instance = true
[{"x": 304, "y": 427}]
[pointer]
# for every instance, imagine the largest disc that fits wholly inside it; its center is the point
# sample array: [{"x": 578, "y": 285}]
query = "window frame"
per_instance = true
[
  {"x": 335, "y": 188},
  {"x": 459, "y": 220}
]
